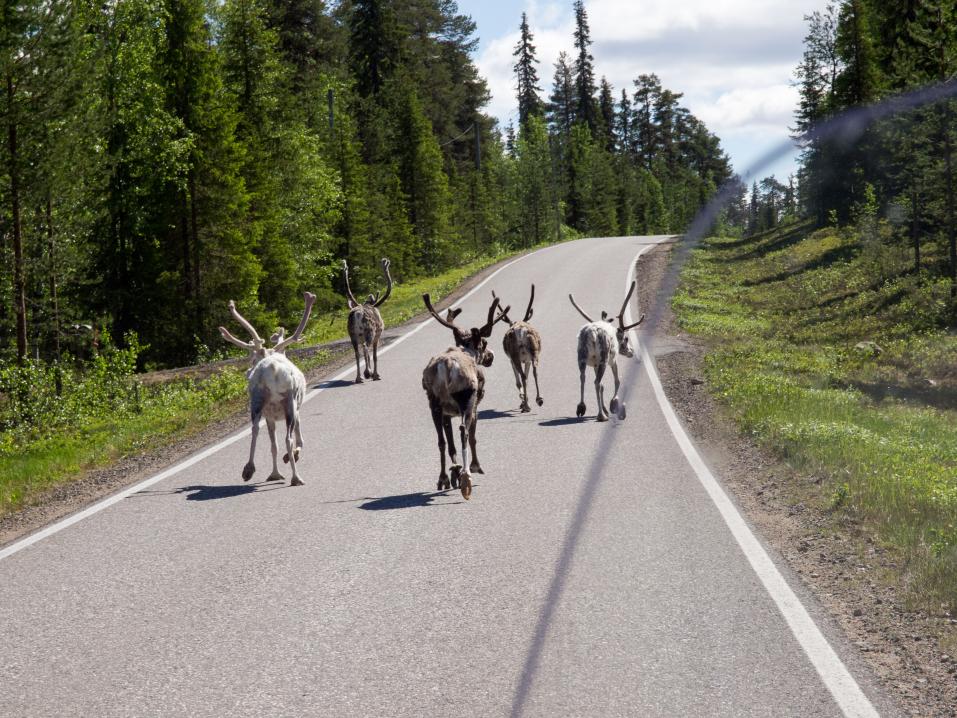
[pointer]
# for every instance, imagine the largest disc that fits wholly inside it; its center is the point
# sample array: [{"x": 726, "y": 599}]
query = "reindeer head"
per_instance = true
[
  {"x": 474, "y": 341},
  {"x": 256, "y": 346},
  {"x": 621, "y": 330},
  {"x": 503, "y": 313}
]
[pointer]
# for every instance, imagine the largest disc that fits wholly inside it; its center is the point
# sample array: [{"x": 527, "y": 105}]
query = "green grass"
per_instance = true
[
  {"x": 783, "y": 313},
  {"x": 117, "y": 416}
]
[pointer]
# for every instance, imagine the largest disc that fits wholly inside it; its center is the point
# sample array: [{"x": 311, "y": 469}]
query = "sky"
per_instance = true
[{"x": 733, "y": 60}]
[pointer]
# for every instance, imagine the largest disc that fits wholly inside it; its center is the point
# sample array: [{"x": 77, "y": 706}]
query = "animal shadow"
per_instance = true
[
  {"x": 405, "y": 501},
  {"x": 566, "y": 420},
  {"x": 333, "y": 384},
  {"x": 201, "y": 492},
  {"x": 496, "y": 414}
]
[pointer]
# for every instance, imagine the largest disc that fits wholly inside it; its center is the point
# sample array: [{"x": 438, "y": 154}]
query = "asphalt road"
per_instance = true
[{"x": 591, "y": 574}]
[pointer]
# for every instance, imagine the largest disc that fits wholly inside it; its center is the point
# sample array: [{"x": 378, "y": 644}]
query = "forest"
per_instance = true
[
  {"x": 161, "y": 157},
  {"x": 892, "y": 180}
]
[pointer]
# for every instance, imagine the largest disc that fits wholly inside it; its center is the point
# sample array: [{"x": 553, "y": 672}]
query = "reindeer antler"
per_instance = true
[
  {"x": 580, "y": 311},
  {"x": 492, "y": 320},
  {"x": 351, "y": 299},
  {"x": 310, "y": 299},
  {"x": 388, "y": 278},
  {"x": 624, "y": 306},
  {"x": 448, "y": 323},
  {"x": 528, "y": 311},
  {"x": 503, "y": 313}
]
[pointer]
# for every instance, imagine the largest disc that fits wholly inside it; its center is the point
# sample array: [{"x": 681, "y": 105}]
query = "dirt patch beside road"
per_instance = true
[{"x": 853, "y": 577}]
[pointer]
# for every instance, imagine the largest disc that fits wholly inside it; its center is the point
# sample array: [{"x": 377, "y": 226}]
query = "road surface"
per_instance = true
[{"x": 591, "y": 574}]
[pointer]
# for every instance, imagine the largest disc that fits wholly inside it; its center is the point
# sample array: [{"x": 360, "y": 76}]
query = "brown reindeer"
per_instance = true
[
  {"x": 366, "y": 325},
  {"x": 455, "y": 384},
  {"x": 523, "y": 345},
  {"x": 276, "y": 390}
]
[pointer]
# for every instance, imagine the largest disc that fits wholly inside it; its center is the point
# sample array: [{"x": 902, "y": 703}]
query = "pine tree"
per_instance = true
[
  {"x": 585, "y": 107},
  {"x": 561, "y": 110},
  {"x": 529, "y": 101},
  {"x": 606, "y": 107}
]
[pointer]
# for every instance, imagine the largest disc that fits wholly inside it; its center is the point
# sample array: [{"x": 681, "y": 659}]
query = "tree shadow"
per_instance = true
[
  {"x": 406, "y": 501},
  {"x": 566, "y": 420}
]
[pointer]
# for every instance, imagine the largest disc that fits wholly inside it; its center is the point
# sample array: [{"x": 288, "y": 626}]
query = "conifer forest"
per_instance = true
[{"x": 161, "y": 157}]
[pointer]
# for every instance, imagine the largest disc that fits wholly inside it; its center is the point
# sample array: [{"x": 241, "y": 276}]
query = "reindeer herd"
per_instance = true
[{"x": 454, "y": 381}]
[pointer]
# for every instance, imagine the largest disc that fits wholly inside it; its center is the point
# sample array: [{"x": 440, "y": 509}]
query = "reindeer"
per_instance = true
[
  {"x": 599, "y": 344},
  {"x": 276, "y": 390},
  {"x": 365, "y": 323},
  {"x": 523, "y": 345},
  {"x": 455, "y": 384}
]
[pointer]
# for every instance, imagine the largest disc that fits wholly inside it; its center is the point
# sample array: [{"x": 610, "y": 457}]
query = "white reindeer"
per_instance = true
[
  {"x": 455, "y": 384},
  {"x": 276, "y": 390},
  {"x": 599, "y": 344}
]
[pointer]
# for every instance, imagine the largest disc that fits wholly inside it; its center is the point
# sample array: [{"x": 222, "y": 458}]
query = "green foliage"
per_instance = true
[{"x": 784, "y": 312}]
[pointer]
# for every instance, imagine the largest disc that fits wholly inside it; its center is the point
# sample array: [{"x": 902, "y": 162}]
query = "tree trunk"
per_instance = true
[
  {"x": 51, "y": 245},
  {"x": 19, "y": 281}
]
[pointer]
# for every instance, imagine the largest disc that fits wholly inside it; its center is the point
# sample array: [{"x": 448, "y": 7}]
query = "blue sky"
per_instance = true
[{"x": 734, "y": 60}]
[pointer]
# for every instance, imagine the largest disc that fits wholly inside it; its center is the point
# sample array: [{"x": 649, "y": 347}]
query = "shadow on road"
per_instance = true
[
  {"x": 202, "y": 492},
  {"x": 496, "y": 414},
  {"x": 333, "y": 384},
  {"x": 566, "y": 420},
  {"x": 406, "y": 501}
]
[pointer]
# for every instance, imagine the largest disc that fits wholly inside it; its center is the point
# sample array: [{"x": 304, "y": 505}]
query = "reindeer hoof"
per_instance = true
[
  {"x": 580, "y": 411},
  {"x": 296, "y": 481},
  {"x": 443, "y": 483},
  {"x": 248, "y": 471},
  {"x": 475, "y": 469},
  {"x": 465, "y": 486},
  {"x": 455, "y": 471},
  {"x": 376, "y": 377},
  {"x": 525, "y": 408},
  {"x": 274, "y": 477},
  {"x": 614, "y": 405},
  {"x": 285, "y": 457},
  {"x": 621, "y": 411},
  {"x": 601, "y": 417},
  {"x": 539, "y": 400},
  {"x": 358, "y": 380},
  {"x": 367, "y": 374}
]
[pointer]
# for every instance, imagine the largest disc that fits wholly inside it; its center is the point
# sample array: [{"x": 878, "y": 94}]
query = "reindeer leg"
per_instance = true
[
  {"x": 450, "y": 437},
  {"x": 274, "y": 448},
  {"x": 465, "y": 481},
  {"x": 580, "y": 411},
  {"x": 256, "y": 410},
  {"x": 599, "y": 391},
  {"x": 524, "y": 375},
  {"x": 292, "y": 421},
  {"x": 355, "y": 348},
  {"x": 365, "y": 353},
  {"x": 375, "y": 360},
  {"x": 516, "y": 370},
  {"x": 298, "y": 440},
  {"x": 616, "y": 407},
  {"x": 437, "y": 419},
  {"x": 474, "y": 466},
  {"x": 538, "y": 396}
]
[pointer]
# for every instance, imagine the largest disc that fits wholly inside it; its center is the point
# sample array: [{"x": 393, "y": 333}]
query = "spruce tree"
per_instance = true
[
  {"x": 585, "y": 107},
  {"x": 529, "y": 101}
]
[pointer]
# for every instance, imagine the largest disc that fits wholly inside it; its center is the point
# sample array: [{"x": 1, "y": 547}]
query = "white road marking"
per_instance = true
[
  {"x": 845, "y": 690},
  {"x": 206, "y": 453}
]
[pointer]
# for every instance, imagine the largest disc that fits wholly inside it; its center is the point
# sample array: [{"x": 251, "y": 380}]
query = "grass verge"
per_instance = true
[{"x": 826, "y": 349}]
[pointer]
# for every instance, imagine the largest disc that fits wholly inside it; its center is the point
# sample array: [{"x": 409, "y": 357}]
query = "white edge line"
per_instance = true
[
  {"x": 844, "y": 689},
  {"x": 206, "y": 453}
]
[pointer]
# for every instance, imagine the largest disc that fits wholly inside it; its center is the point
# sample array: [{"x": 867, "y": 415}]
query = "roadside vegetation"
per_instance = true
[{"x": 826, "y": 348}]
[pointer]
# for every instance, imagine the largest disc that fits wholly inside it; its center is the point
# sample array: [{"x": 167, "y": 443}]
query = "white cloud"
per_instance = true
[{"x": 733, "y": 59}]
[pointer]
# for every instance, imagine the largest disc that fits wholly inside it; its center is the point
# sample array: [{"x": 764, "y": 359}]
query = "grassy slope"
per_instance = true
[
  {"x": 784, "y": 313},
  {"x": 143, "y": 419}
]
